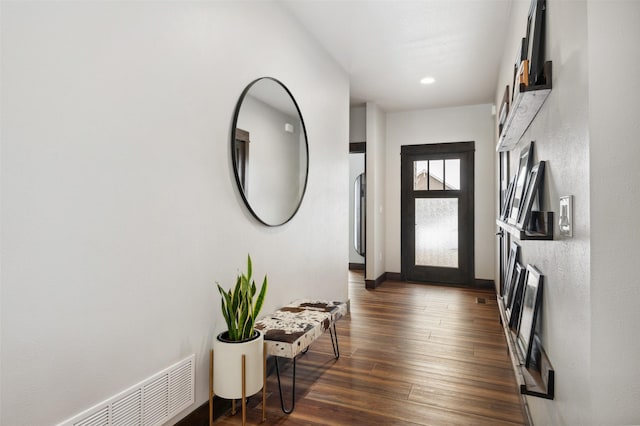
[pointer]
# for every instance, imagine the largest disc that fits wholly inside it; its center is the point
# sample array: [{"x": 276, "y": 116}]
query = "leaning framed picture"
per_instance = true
[
  {"x": 535, "y": 41},
  {"x": 521, "y": 56},
  {"x": 534, "y": 183},
  {"x": 536, "y": 353},
  {"x": 504, "y": 181},
  {"x": 524, "y": 167},
  {"x": 504, "y": 111},
  {"x": 513, "y": 301},
  {"x": 506, "y": 203},
  {"x": 531, "y": 299},
  {"x": 514, "y": 254}
]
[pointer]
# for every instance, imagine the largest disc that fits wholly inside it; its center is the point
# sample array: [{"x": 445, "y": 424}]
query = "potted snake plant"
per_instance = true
[{"x": 240, "y": 311}]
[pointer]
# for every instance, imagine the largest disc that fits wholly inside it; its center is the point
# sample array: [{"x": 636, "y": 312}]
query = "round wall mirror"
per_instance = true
[{"x": 269, "y": 151}]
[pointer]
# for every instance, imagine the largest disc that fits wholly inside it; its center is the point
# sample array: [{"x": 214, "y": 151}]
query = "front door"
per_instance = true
[{"x": 437, "y": 233}]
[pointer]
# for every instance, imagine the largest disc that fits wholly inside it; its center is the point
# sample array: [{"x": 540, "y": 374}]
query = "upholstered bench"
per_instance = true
[
  {"x": 336, "y": 309},
  {"x": 290, "y": 331}
]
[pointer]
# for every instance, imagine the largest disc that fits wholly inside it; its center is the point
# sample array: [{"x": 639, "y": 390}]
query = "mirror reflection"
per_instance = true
[
  {"x": 270, "y": 153},
  {"x": 359, "y": 214}
]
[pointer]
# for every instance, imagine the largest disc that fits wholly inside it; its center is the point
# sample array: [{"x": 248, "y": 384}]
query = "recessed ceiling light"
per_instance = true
[{"x": 428, "y": 80}]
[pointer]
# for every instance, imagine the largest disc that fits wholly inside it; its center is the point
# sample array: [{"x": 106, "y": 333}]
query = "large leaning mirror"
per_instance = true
[{"x": 269, "y": 151}]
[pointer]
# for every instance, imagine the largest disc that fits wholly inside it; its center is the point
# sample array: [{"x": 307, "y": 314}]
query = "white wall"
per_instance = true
[
  {"x": 358, "y": 124},
  {"x": 614, "y": 126},
  {"x": 561, "y": 135},
  {"x": 461, "y": 124},
  {"x": 119, "y": 207},
  {"x": 376, "y": 177}
]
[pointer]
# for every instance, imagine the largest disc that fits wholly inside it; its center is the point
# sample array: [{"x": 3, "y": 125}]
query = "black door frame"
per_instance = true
[{"x": 465, "y": 272}]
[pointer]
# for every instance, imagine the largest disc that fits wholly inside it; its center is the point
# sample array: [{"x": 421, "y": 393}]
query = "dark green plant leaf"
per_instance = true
[
  {"x": 238, "y": 308},
  {"x": 260, "y": 299}
]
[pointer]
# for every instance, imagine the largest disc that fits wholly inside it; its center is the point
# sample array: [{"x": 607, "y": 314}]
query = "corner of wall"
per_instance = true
[{"x": 376, "y": 142}]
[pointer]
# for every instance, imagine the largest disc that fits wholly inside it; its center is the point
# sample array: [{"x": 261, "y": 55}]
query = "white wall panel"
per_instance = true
[{"x": 614, "y": 126}]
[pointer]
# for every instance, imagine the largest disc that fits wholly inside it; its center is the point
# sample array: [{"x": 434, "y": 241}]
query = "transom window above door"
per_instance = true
[{"x": 436, "y": 175}]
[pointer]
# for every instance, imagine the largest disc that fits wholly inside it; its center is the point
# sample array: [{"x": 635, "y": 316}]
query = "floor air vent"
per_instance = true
[{"x": 149, "y": 403}]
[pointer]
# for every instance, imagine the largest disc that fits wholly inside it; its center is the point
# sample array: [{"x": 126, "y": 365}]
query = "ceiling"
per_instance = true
[{"x": 387, "y": 47}]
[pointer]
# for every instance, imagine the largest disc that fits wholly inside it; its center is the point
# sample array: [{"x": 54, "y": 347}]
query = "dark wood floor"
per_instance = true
[{"x": 411, "y": 354}]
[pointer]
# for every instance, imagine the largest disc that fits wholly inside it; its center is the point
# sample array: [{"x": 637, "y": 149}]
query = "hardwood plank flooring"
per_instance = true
[{"x": 411, "y": 354}]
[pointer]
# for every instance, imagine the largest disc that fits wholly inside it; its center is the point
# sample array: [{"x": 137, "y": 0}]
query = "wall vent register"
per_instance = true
[{"x": 150, "y": 402}]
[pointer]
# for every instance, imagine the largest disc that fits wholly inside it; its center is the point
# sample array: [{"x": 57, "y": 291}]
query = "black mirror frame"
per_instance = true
[{"x": 235, "y": 163}]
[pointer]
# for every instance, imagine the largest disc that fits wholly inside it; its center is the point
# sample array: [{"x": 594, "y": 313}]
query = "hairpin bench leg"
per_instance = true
[
  {"x": 293, "y": 389},
  {"x": 336, "y": 348}
]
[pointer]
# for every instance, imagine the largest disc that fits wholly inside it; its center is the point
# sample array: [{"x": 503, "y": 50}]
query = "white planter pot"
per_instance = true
[{"x": 227, "y": 367}]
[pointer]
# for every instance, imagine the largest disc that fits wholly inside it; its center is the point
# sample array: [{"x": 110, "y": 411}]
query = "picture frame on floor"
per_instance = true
[{"x": 531, "y": 298}]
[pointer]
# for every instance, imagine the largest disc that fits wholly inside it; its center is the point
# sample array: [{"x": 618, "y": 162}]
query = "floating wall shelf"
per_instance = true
[
  {"x": 544, "y": 232},
  {"x": 524, "y": 108},
  {"x": 539, "y": 383}
]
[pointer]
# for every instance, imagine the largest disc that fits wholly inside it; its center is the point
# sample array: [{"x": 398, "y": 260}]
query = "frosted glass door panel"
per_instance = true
[{"x": 436, "y": 232}]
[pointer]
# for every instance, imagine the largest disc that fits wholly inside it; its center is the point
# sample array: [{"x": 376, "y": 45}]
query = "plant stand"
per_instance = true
[{"x": 244, "y": 393}]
